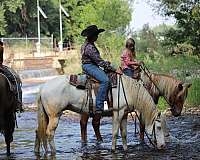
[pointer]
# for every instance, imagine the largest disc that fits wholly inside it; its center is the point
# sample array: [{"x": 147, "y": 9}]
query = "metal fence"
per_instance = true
[
  {"x": 19, "y": 48},
  {"x": 23, "y": 53}
]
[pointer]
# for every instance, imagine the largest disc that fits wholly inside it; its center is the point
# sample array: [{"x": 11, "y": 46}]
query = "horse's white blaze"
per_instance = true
[{"x": 159, "y": 131}]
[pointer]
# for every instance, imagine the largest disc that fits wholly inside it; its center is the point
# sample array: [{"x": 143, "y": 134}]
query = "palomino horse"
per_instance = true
[
  {"x": 57, "y": 95},
  {"x": 7, "y": 111},
  {"x": 174, "y": 91}
]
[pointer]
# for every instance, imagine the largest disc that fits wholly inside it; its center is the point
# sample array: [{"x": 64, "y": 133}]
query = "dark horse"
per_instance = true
[{"x": 7, "y": 111}]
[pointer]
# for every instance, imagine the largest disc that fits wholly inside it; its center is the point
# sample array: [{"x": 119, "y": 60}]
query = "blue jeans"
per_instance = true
[
  {"x": 103, "y": 79},
  {"x": 128, "y": 72}
]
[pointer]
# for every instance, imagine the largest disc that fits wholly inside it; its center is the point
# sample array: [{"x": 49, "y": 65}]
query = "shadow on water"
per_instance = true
[{"x": 184, "y": 141}]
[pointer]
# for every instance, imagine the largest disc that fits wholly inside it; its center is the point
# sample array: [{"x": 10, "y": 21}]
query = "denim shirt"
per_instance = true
[{"x": 91, "y": 55}]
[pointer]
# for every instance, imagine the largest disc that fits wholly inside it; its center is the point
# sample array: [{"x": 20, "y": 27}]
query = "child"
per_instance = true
[{"x": 130, "y": 66}]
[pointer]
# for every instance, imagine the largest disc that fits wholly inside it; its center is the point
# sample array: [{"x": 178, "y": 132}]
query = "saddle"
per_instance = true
[
  {"x": 15, "y": 83},
  {"x": 136, "y": 73},
  {"x": 86, "y": 82}
]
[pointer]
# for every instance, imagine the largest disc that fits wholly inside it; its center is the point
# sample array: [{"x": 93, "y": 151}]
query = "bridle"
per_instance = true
[
  {"x": 154, "y": 144},
  {"x": 147, "y": 72}
]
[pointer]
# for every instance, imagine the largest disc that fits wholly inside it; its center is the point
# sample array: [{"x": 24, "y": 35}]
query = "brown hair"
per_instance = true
[{"x": 130, "y": 44}]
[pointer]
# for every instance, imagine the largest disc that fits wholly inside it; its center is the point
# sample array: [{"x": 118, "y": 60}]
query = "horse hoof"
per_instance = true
[
  {"x": 125, "y": 150},
  {"x": 83, "y": 144},
  {"x": 99, "y": 140},
  {"x": 53, "y": 153},
  {"x": 8, "y": 154}
]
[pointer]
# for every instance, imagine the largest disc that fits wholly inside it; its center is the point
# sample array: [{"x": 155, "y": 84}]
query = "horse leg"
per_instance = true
[
  {"x": 8, "y": 140},
  {"x": 8, "y": 148},
  {"x": 123, "y": 130},
  {"x": 96, "y": 126},
  {"x": 115, "y": 129},
  {"x": 142, "y": 129},
  {"x": 37, "y": 143},
  {"x": 83, "y": 124},
  {"x": 53, "y": 123}
]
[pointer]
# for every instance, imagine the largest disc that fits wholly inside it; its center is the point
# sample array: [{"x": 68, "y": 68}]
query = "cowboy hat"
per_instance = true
[{"x": 91, "y": 31}]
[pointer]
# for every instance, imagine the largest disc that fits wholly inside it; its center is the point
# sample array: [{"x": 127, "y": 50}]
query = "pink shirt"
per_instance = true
[{"x": 127, "y": 59}]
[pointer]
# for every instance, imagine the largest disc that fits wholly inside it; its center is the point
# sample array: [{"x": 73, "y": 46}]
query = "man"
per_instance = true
[
  {"x": 13, "y": 78},
  {"x": 91, "y": 63}
]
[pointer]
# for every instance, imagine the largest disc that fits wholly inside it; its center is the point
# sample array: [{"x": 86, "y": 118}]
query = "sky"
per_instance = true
[{"x": 143, "y": 13}]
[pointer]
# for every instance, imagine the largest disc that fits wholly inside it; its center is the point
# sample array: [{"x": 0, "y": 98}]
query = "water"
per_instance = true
[
  {"x": 25, "y": 74},
  {"x": 32, "y": 80},
  {"x": 184, "y": 141}
]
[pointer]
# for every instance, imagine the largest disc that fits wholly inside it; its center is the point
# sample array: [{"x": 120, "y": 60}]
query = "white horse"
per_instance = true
[
  {"x": 58, "y": 95},
  {"x": 174, "y": 91}
]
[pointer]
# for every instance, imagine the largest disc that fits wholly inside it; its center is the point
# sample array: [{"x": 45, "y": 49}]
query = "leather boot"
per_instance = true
[{"x": 96, "y": 125}]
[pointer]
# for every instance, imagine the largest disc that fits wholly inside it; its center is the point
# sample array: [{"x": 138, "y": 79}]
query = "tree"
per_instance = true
[
  {"x": 8, "y": 6},
  {"x": 146, "y": 39},
  {"x": 187, "y": 15}
]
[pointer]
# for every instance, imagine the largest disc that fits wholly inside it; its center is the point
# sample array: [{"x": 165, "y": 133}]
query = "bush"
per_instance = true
[{"x": 184, "y": 48}]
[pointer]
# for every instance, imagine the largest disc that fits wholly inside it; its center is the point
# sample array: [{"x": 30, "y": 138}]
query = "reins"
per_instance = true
[
  {"x": 144, "y": 68},
  {"x": 153, "y": 132}
]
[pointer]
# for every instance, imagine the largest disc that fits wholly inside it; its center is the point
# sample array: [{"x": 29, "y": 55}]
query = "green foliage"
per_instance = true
[
  {"x": 194, "y": 93},
  {"x": 112, "y": 44},
  {"x": 19, "y": 18},
  {"x": 187, "y": 15},
  {"x": 8, "y": 6},
  {"x": 164, "y": 64},
  {"x": 2, "y": 21},
  {"x": 162, "y": 104},
  {"x": 147, "y": 40},
  {"x": 184, "y": 48},
  {"x": 111, "y": 15}
]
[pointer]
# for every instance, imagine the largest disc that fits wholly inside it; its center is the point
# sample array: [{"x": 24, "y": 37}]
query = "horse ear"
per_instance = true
[
  {"x": 188, "y": 85},
  {"x": 159, "y": 114}
]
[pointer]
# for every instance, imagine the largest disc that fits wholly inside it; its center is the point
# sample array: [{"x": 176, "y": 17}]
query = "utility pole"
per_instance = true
[
  {"x": 61, "y": 40},
  {"x": 39, "y": 10},
  {"x": 61, "y": 9},
  {"x": 38, "y": 15}
]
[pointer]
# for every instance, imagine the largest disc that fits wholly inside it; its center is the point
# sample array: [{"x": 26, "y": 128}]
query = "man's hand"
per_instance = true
[
  {"x": 119, "y": 72},
  {"x": 141, "y": 63}
]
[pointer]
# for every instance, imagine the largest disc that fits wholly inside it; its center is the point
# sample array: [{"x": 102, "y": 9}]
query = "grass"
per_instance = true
[{"x": 194, "y": 93}]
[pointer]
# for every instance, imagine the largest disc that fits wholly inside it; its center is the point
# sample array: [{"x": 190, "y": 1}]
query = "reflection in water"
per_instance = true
[{"x": 184, "y": 144}]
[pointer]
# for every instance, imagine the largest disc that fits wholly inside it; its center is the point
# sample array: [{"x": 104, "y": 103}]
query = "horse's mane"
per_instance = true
[
  {"x": 173, "y": 79},
  {"x": 142, "y": 100}
]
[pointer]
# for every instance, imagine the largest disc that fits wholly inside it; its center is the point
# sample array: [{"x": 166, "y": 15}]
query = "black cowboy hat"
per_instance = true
[{"x": 91, "y": 31}]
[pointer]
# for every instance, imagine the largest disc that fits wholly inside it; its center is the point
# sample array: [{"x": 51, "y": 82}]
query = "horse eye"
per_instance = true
[{"x": 179, "y": 97}]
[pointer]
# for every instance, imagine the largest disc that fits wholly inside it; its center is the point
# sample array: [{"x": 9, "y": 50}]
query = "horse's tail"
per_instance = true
[{"x": 42, "y": 126}]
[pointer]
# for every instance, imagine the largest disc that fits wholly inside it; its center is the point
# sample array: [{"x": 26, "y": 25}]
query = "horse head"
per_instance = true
[
  {"x": 178, "y": 97},
  {"x": 157, "y": 130}
]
